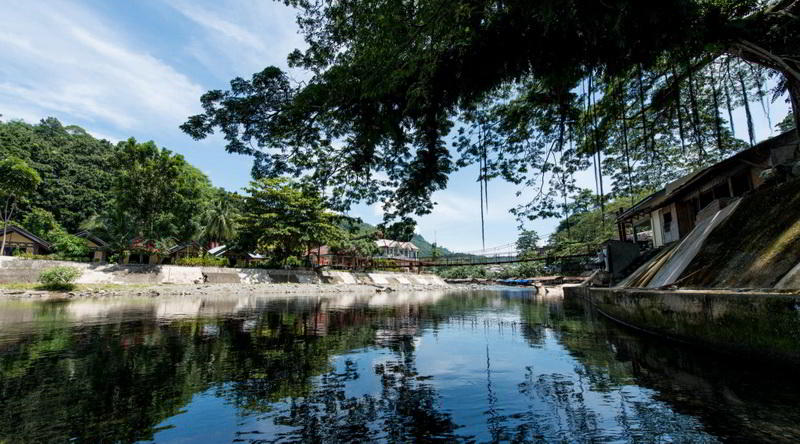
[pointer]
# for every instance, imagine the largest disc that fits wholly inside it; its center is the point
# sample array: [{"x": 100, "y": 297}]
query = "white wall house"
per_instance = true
[{"x": 396, "y": 250}]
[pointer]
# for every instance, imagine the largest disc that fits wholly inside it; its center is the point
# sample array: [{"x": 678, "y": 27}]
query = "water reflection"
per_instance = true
[{"x": 500, "y": 365}]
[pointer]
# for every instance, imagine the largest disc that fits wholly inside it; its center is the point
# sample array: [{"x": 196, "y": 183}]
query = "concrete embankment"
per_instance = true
[
  {"x": 157, "y": 280},
  {"x": 754, "y": 324},
  {"x": 13, "y": 270}
]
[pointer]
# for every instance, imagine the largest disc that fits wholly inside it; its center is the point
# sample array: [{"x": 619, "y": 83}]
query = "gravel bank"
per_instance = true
[{"x": 212, "y": 289}]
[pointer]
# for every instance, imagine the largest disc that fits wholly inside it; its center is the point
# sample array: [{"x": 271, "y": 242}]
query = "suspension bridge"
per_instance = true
[{"x": 501, "y": 255}]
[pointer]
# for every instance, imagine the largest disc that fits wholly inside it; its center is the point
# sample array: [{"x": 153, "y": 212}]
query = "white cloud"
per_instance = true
[
  {"x": 60, "y": 59},
  {"x": 248, "y": 35}
]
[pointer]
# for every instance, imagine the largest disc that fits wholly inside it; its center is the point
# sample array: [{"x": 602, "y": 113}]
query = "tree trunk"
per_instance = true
[
  {"x": 794, "y": 93},
  {"x": 750, "y": 129},
  {"x": 790, "y": 68},
  {"x": 5, "y": 230},
  {"x": 6, "y": 217}
]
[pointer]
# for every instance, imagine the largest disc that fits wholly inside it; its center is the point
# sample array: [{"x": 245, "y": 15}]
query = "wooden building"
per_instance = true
[
  {"x": 673, "y": 211},
  {"x": 98, "y": 248},
  {"x": 323, "y": 256},
  {"x": 403, "y": 254},
  {"x": 22, "y": 240},
  {"x": 186, "y": 249},
  {"x": 235, "y": 257}
]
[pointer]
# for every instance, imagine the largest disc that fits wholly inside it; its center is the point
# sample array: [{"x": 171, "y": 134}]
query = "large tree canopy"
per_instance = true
[
  {"x": 545, "y": 85},
  {"x": 284, "y": 219},
  {"x": 76, "y": 169},
  {"x": 160, "y": 194}
]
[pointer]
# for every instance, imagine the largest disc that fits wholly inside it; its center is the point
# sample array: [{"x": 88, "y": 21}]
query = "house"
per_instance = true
[
  {"x": 404, "y": 254},
  {"x": 391, "y": 249},
  {"x": 18, "y": 238},
  {"x": 143, "y": 251},
  {"x": 98, "y": 248},
  {"x": 235, "y": 257},
  {"x": 673, "y": 211},
  {"x": 186, "y": 249},
  {"x": 324, "y": 256}
]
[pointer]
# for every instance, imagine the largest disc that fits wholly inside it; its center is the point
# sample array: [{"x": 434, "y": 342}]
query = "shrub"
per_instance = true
[
  {"x": 293, "y": 262},
  {"x": 60, "y": 278},
  {"x": 67, "y": 245},
  {"x": 38, "y": 257},
  {"x": 463, "y": 272},
  {"x": 208, "y": 261}
]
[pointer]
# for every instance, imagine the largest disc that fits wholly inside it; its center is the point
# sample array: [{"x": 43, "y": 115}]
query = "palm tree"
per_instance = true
[{"x": 219, "y": 222}]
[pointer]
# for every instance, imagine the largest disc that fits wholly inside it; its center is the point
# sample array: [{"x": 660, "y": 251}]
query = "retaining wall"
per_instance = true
[
  {"x": 15, "y": 270},
  {"x": 754, "y": 323}
]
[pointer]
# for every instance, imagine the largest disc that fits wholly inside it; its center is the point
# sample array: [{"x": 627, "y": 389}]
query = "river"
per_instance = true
[{"x": 499, "y": 364}]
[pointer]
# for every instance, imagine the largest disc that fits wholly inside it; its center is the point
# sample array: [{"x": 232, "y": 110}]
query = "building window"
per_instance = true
[
  {"x": 667, "y": 222},
  {"x": 722, "y": 191},
  {"x": 741, "y": 183},
  {"x": 706, "y": 197}
]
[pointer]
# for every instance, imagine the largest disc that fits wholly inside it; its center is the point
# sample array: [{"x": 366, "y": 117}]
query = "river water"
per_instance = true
[{"x": 481, "y": 366}]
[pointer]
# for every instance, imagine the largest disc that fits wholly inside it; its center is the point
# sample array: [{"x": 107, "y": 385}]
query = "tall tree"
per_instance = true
[
  {"x": 402, "y": 230},
  {"x": 17, "y": 180},
  {"x": 283, "y": 219},
  {"x": 219, "y": 220},
  {"x": 389, "y": 78},
  {"x": 159, "y": 192},
  {"x": 527, "y": 242}
]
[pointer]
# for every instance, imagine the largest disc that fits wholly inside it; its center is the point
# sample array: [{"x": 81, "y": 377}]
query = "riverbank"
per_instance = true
[
  {"x": 21, "y": 271},
  {"x": 36, "y": 292}
]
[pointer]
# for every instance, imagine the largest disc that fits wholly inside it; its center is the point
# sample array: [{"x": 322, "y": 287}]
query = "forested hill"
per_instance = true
[
  {"x": 76, "y": 168},
  {"x": 426, "y": 248},
  {"x": 79, "y": 173}
]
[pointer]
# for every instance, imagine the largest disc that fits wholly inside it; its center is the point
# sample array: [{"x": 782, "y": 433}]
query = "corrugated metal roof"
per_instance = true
[
  {"x": 28, "y": 234},
  {"x": 662, "y": 196},
  {"x": 86, "y": 234},
  {"x": 388, "y": 243}
]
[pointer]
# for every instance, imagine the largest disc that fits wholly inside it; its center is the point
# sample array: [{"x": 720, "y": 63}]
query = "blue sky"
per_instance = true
[{"x": 138, "y": 68}]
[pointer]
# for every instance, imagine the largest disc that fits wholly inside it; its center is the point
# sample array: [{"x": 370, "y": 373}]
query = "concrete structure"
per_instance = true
[
  {"x": 752, "y": 324},
  {"x": 15, "y": 270},
  {"x": 674, "y": 211},
  {"x": 754, "y": 242},
  {"x": 18, "y": 238},
  {"x": 618, "y": 255}
]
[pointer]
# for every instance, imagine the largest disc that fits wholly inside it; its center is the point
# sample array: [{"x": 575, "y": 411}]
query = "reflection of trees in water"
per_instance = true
[
  {"x": 595, "y": 400},
  {"x": 405, "y": 410},
  {"x": 732, "y": 399},
  {"x": 116, "y": 382}
]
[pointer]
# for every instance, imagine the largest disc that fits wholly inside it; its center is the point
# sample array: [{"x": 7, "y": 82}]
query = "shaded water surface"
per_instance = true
[{"x": 494, "y": 365}]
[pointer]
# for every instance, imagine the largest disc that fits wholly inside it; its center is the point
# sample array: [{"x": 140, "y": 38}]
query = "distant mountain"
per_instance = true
[{"x": 426, "y": 248}]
